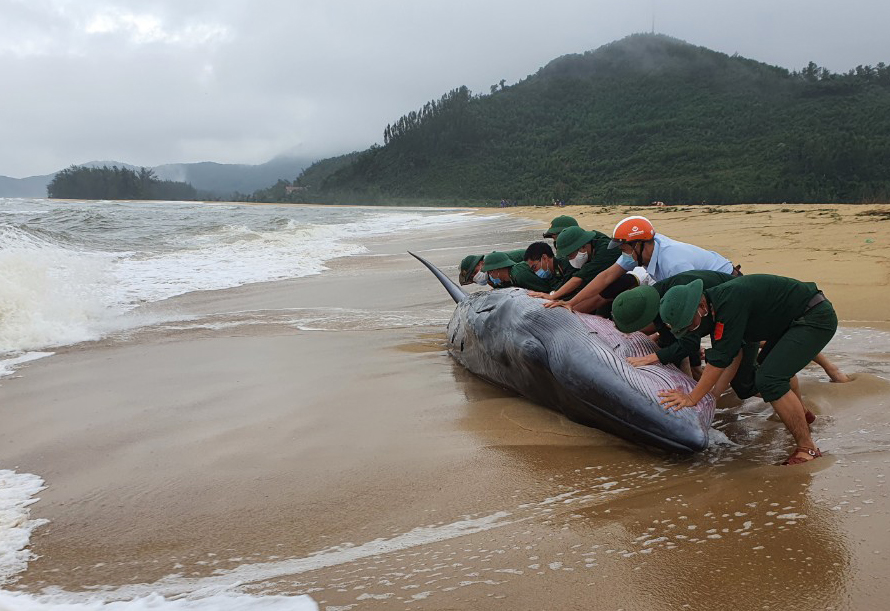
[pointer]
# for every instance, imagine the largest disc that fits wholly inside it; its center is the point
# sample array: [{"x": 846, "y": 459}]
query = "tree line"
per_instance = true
[
  {"x": 80, "y": 182},
  {"x": 645, "y": 118}
]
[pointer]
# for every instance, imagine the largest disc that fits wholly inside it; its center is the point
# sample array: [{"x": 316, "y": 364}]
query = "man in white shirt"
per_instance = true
[{"x": 661, "y": 257}]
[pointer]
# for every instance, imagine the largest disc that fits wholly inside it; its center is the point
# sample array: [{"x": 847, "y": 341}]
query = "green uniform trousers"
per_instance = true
[
  {"x": 781, "y": 358},
  {"x": 743, "y": 382}
]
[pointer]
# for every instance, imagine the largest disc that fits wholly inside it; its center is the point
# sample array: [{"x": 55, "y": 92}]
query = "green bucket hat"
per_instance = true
[
  {"x": 467, "y": 267},
  {"x": 634, "y": 309},
  {"x": 558, "y": 224},
  {"x": 497, "y": 260},
  {"x": 679, "y": 304},
  {"x": 571, "y": 239}
]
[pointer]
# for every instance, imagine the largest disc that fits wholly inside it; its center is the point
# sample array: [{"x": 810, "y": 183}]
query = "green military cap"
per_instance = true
[
  {"x": 468, "y": 267},
  {"x": 558, "y": 224},
  {"x": 571, "y": 239},
  {"x": 634, "y": 309},
  {"x": 679, "y": 304},
  {"x": 497, "y": 260}
]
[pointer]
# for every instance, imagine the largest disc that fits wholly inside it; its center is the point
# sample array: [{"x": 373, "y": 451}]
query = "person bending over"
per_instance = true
[
  {"x": 793, "y": 318},
  {"x": 540, "y": 258},
  {"x": 471, "y": 267},
  {"x": 588, "y": 253},
  {"x": 661, "y": 257},
  {"x": 504, "y": 272},
  {"x": 558, "y": 224}
]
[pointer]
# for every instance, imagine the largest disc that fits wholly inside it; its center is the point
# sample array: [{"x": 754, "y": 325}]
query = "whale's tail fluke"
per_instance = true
[{"x": 453, "y": 289}]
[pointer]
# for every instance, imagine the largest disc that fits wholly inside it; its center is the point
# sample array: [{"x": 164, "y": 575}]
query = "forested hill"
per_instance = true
[{"x": 645, "y": 118}]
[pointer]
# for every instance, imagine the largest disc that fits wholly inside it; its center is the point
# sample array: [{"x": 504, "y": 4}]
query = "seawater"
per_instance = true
[
  {"x": 553, "y": 502},
  {"x": 72, "y": 272}
]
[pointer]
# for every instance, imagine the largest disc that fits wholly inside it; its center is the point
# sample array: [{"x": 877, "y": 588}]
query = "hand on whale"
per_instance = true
[
  {"x": 540, "y": 295},
  {"x": 642, "y": 361},
  {"x": 559, "y": 303},
  {"x": 675, "y": 399}
]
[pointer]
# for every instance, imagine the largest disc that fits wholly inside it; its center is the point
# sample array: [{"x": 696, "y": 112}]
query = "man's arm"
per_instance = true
[
  {"x": 566, "y": 289},
  {"x": 688, "y": 345},
  {"x": 678, "y": 400},
  {"x": 598, "y": 284},
  {"x": 587, "y": 306}
]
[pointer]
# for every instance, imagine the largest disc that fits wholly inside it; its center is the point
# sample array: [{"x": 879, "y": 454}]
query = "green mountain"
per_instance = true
[{"x": 644, "y": 118}]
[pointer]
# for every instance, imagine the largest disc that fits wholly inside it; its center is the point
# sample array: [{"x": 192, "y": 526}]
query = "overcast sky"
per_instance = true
[{"x": 241, "y": 81}]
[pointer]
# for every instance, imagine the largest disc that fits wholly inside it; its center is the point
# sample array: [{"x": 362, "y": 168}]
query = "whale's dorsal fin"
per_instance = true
[{"x": 453, "y": 289}]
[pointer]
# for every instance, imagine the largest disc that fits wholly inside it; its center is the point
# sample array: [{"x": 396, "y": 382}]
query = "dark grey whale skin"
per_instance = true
[{"x": 550, "y": 356}]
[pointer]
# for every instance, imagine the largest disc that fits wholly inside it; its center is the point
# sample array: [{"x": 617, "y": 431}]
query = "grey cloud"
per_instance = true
[{"x": 325, "y": 77}]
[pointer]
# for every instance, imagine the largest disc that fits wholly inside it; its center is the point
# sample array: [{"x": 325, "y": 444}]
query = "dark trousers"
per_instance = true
[
  {"x": 782, "y": 357},
  {"x": 624, "y": 283}
]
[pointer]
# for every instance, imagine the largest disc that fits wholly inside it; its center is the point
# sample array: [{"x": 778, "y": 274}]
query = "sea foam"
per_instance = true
[
  {"x": 73, "y": 272},
  {"x": 17, "y": 492},
  {"x": 15, "y": 601}
]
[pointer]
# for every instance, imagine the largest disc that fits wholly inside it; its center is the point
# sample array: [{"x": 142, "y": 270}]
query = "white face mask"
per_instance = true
[
  {"x": 481, "y": 278},
  {"x": 579, "y": 260}
]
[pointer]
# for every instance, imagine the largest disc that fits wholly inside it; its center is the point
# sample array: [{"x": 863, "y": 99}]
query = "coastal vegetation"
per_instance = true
[
  {"x": 644, "y": 118},
  {"x": 81, "y": 182}
]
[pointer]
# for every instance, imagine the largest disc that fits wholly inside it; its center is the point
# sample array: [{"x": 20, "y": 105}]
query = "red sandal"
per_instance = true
[
  {"x": 794, "y": 459},
  {"x": 810, "y": 416}
]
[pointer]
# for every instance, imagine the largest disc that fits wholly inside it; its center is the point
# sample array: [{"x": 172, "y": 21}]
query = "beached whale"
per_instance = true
[{"x": 573, "y": 363}]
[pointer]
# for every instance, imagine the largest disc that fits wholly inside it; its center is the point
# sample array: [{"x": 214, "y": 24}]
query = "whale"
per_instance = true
[{"x": 572, "y": 363}]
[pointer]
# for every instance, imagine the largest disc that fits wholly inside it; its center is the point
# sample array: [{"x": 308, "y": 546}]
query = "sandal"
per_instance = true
[
  {"x": 794, "y": 459},
  {"x": 810, "y": 416}
]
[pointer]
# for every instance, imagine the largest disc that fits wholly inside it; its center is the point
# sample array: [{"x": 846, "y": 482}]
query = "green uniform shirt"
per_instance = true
[
  {"x": 674, "y": 350},
  {"x": 753, "y": 308},
  {"x": 601, "y": 258},
  {"x": 521, "y": 275},
  {"x": 562, "y": 271}
]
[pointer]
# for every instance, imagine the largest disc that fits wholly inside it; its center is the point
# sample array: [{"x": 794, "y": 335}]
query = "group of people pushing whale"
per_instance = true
[{"x": 763, "y": 328}]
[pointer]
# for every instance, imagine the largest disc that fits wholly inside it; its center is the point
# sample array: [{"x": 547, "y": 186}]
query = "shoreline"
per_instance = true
[{"x": 362, "y": 466}]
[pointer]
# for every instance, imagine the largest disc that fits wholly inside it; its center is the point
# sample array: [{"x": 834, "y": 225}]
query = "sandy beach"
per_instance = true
[
  {"x": 313, "y": 436},
  {"x": 843, "y": 248}
]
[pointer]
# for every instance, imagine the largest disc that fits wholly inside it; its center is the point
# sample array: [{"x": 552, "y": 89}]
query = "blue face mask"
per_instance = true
[
  {"x": 544, "y": 273},
  {"x": 494, "y": 281}
]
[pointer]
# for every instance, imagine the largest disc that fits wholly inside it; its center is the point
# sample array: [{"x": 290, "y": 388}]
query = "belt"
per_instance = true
[{"x": 816, "y": 300}]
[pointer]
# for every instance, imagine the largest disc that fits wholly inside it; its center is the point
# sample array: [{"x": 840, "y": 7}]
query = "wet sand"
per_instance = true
[{"x": 359, "y": 464}]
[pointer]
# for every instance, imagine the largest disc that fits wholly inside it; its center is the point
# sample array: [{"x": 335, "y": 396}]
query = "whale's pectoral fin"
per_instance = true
[{"x": 453, "y": 289}]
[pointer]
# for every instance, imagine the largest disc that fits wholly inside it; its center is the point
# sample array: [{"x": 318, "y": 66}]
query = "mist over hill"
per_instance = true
[
  {"x": 644, "y": 118},
  {"x": 228, "y": 179},
  {"x": 212, "y": 180}
]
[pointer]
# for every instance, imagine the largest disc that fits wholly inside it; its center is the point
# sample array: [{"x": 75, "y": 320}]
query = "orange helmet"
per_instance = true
[{"x": 632, "y": 229}]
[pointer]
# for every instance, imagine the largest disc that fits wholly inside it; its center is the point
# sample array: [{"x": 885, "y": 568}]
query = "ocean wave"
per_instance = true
[
  {"x": 78, "y": 271},
  {"x": 17, "y": 492},
  {"x": 50, "y": 295}
]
